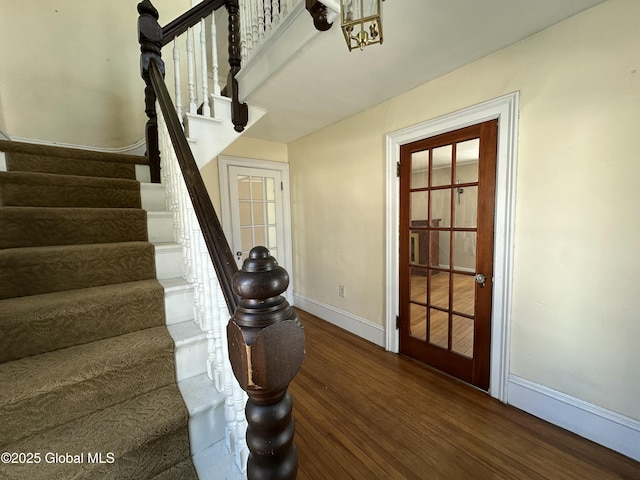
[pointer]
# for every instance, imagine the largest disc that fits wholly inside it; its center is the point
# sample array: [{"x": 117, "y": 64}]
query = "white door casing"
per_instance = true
[
  {"x": 505, "y": 109},
  {"x": 230, "y": 170}
]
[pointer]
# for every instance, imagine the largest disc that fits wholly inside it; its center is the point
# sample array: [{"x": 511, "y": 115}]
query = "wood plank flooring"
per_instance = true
[{"x": 367, "y": 414}]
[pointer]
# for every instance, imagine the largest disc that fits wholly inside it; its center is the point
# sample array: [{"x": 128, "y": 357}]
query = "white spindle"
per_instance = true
[
  {"x": 229, "y": 409},
  {"x": 176, "y": 77},
  {"x": 254, "y": 23},
  {"x": 240, "y": 448},
  {"x": 214, "y": 56},
  {"x": 193, "y": 108},
  {"x": 260, "y": 20},
  {"x": 267, "y": 16},
  {"x": 277, "y": 11},
  {"x": 206, "y": 110},
  {"x": 283, "y": 7}
]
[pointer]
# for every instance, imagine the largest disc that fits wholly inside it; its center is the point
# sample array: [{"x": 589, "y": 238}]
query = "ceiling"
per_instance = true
[{"x": 423, "y": 39}]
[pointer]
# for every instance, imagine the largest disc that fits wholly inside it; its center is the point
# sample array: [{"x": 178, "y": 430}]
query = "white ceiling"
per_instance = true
[{"x": 423, "y": 39}]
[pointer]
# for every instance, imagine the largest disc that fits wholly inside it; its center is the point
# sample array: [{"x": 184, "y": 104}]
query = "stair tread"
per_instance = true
[
  {"x": 200, "y": 394},
  {"x": 142, "y": 420},
  {"x": 78, "y": 380},
  {"x": 186, "y": 332},
  {"x": 39, "y": 323},
  {"x": 54, "y": 370}
]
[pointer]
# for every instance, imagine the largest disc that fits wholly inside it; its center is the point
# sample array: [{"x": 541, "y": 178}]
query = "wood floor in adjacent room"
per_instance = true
[{"x": 367, "y": 414}]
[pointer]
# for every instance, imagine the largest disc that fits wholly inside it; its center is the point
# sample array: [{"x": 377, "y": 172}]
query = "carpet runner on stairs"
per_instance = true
[{"x": 87, "y": 368}]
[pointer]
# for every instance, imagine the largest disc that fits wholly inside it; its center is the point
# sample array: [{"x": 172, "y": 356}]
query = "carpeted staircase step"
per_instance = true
[
  {"x": 27, "y": 157},
  {"x": 36, "y": 270},
  {"x": 146, "y": 435},
  {"x": 42, "y": 226},
  {"x": 48, "y": 390},
  {"x": 43, "y": 323},
  {"x": 27, "y": 189}
]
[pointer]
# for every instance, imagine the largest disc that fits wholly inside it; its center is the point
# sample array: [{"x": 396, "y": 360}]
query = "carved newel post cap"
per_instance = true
[
  {"x": 146, "y": 8},
  {"x": 266, "y": 340}
]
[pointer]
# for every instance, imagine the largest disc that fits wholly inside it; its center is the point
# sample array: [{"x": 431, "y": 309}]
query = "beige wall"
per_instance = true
[
  {"x": 76, "y": 58},
  {"x": 575, "y": 298}
]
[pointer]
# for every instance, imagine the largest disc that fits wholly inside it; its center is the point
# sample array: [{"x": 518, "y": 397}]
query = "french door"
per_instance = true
[
  {"x": 447, "y": 198},
  {"x": 255, "y": 208}
]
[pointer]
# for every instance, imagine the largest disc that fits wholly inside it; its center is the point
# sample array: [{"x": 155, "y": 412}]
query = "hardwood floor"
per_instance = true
[{"x": 364, "y": 413}]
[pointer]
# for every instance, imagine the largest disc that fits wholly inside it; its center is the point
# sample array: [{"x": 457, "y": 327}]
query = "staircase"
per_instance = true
[{"x": 89, "y": 366}]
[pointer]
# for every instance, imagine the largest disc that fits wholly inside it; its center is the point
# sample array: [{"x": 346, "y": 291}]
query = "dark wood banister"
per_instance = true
[
  {"x": 217, "y": 245},
  {"x": 189, "y": 19},
  {"x": 265, "y": 338}
]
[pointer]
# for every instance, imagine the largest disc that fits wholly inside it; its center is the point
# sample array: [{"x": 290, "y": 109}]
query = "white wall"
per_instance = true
[
  {"x": 71, "y": 70},
  {"x": 575, "y": 300}
]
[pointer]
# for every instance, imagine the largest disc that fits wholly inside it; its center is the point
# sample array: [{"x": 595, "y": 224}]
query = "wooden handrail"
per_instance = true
[
  {"x": 217, "y": 245},
  {"x": 265, "y": 338},
  {"x": 189, "y": 19}
]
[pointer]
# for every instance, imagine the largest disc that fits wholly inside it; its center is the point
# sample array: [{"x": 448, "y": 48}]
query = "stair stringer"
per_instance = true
[
  {"x": 209, "y": 136},
  {"x": 205, "y": 403}
]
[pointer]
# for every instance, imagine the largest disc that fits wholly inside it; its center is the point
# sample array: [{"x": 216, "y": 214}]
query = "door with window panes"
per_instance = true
[
  {"x": 256, "y": 210},
  {"x": 447, "y": 198}
]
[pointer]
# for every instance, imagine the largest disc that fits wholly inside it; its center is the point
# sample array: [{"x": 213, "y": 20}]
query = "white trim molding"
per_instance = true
[
  {"x": 137, "y": 148},
  {"x": 505, "y": 109},
  {"x": 352, "y": 323},
  {"x": 597, "y": 424}
]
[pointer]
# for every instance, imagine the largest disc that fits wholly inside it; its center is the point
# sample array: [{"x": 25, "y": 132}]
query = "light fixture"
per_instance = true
[{"x": 361, "y": 23}]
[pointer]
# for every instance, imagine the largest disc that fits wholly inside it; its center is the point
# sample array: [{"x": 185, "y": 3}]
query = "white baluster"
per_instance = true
[
  {"x": 254, "y": 23},
  {"x": 214, "y": 56},
  {"x": 260, "y": 20},
  {"x": 176, "y": 78},
  {"x": 267, "y": 16},
  {"x": 276, "y": 10},
  {"x": 206, "y": 110},
  {"x": 219, "y": 332},
  {"x": 193, "y": 108},
  {"x": 241, "y": 450},
  {"x": 229, "y": 409},
  {"x": 283, "y": 8}
]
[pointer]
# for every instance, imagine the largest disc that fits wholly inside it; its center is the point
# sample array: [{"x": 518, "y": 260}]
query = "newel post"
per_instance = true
[
  {"x": 150, "y": 39},
  {"x": 266, "y": 349}
]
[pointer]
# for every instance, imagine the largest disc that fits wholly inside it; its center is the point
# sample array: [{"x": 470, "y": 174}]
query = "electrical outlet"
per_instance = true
[{"x": 341, "y": 290}]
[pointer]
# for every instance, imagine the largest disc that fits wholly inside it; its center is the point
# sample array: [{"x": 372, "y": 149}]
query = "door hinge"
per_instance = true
[
  {"x": 397, "y": 322},
  {"x": 282, "y": 186},
  {"x": 398, "y": 169}
]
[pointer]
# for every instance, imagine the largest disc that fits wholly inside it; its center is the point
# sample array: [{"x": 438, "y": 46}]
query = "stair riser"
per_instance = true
[
  {"x": 178, "y": 306},
  {"x": 168, "y": 261},
  {"x": 36, "y": 227},
  {"x": 160, "y": 227},
  {"x": 191, "y": 359},
  {"x": 153, "y": 197},
  {"x": 206, "y": 428},
  {"x": 20, "y": 195}
]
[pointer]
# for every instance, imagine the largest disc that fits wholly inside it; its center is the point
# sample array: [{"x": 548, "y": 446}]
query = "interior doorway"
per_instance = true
[
  {"x": 256, "y": 209},
  {"x": 447, "y": 198},
  {"x": 506, "y": 110}
]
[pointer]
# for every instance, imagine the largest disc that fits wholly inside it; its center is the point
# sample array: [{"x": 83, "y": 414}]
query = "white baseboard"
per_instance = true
[
  {"x": 137, "y": 148},
  {"x": 352, "y": 323},
  {"x": 597, "y": 424}
]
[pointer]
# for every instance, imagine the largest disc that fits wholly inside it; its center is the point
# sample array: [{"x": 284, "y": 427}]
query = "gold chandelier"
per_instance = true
[{"x": 361, "y": 23}]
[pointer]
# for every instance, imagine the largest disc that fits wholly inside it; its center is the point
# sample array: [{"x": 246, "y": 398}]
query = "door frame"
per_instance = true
[
  {"x": 226, "y": 161},
  {"x": 506, "y": 110}
]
